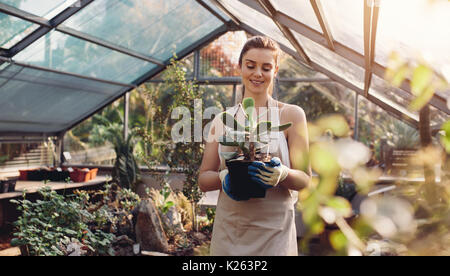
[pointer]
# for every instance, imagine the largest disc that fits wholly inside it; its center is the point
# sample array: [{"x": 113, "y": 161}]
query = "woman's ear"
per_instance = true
[{"x": 275, "y": 71}]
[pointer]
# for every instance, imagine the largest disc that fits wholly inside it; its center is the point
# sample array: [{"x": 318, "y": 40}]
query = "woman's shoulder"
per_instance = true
[{"x": 292, "y": 112}]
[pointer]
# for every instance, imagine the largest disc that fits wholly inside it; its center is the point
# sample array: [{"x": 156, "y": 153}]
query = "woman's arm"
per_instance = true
[
  {"x": 299, "y": 176},
  {"x": 208, "y": 179}
]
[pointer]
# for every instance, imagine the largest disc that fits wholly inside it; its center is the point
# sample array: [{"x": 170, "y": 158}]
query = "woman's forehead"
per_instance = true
[{"x": 259, "y": 55}]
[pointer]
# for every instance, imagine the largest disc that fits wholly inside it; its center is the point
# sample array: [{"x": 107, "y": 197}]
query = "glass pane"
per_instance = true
[
  {"x": 13, "y": 30},
  {"x": 291, "y": 68},
  {"x": 300, "y": 10},
  {"x": 376, "y": 128},
  {"x": 49, "y": 100},
  {"x": 394, "y": 94},
  {"x": 419, "y": 32},
  {"x": 218, "y": 95},
  {"x": 87, "y": 143},
  {"x": 66, "y": 53},
  {"x": 332, "y": 61},
  {"x": 221, "y": 57},
  {"x": 393, "y": 104},
  {"x": 256, "y": 20},
  {"x": 209, "y": 3},
  {"x": 319, "y": 99},
  {"x": 154, "y": 28},
  {"x": 346, "y": 21},
  {"x": 26, "y": 155},
  {"x": 43, "y": 8}
]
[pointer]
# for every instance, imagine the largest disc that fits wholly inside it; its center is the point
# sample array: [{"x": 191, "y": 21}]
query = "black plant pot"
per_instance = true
[
  {"x": 4, "y": 185},
  {"x": 12, "y": 185},
  {"x": 241, "y": 184}
]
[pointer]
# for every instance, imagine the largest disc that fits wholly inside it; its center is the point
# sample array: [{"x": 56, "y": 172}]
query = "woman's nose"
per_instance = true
[{"x": 258, "y": 72}]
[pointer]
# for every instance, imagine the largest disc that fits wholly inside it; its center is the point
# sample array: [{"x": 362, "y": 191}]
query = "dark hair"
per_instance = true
[{"x": 260, "y": 42}]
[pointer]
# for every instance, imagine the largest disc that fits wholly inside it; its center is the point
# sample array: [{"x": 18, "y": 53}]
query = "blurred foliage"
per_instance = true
[
  {"x": 320, "y": 203},
  {"x": 424, "y": 82}
]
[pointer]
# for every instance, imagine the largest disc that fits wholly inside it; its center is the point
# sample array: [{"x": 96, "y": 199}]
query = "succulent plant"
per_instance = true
[{"x": 246, "y": 137}]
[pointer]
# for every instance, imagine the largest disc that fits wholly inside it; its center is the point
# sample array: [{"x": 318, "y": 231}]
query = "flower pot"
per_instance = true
[
  {"x": 23, "y": 175},
  {"x": 93, "y": 173},
  {"x": 241, "y": 184},
  {"x": 4, "y": 185},
  {"x": 80, "y": 175},
  {"x": 60, "y": 176}
]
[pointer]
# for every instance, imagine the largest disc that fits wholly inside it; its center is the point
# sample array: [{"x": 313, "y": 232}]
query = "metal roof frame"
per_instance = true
[
  {"x": 284, "y": 22},
  {"x": 394, "y": 112}
]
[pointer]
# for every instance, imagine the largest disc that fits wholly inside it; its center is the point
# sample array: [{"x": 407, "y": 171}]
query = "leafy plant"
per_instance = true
[
  {"x": 125, "y": 171},
  {"x": 47, "y": 226},
  {"x": 165, "y": 193},
  {"x": 247, "y": 137}
]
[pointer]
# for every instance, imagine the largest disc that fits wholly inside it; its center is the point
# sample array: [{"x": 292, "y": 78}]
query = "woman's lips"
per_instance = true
[{"x": 256, "y": 83}]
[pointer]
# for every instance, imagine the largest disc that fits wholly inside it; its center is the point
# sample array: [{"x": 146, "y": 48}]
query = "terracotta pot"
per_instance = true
[
  {"x": 241, "y": 184},
  {"x": 93, "y": 173},
  {"x": 80, "y": 175}
]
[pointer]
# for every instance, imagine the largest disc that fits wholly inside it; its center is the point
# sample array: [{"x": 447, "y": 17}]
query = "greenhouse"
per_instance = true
[{"x": 93, "y": 92}]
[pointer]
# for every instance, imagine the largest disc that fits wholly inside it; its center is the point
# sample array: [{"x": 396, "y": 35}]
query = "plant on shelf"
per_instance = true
[
  {"x": 125, "y": 171},
  {"x": 248, "y": 139}
]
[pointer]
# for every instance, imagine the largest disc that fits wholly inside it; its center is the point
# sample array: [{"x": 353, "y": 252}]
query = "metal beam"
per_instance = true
[
  {"x": 392, "y": 111},
  {"x": 370, "y": 30},
  {"x": 10, "y": 10},
  {"x": 318, "y": 10},
  {"x": 206, "y": 6},
  {"x": 199, "y": 44},
  {"x": 43, "y": 30},
  {"x": 270, "y": 10},
  {"x": 106, "y": 44},
  {"x": 26, "y": 65},
  {"x": 224, "y": 10},
  {"x": 350, "y": 55},
  {"x": 183, "y": 53}
]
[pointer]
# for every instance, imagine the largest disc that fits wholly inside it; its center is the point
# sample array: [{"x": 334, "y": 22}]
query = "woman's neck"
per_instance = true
[{"x": 261, "y": 100}]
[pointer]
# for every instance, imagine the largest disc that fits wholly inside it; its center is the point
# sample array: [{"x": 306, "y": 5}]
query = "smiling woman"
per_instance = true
[{"x": 264, "y": 225}]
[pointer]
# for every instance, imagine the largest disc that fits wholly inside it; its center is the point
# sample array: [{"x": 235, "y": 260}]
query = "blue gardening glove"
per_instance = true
[
  {"x": 225, "y": 180},
  {"x": 268, "y": 175}
]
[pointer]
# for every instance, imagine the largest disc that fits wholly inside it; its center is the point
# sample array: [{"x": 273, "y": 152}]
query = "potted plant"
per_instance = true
[{"x": 249, "y": 143}]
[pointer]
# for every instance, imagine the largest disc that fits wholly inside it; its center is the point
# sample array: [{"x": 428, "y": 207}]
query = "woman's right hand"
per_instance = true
[{"x": 225, "y": 180}]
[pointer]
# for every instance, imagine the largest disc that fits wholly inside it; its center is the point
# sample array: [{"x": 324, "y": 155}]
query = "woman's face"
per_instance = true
[{"x": 258, "y": 70}]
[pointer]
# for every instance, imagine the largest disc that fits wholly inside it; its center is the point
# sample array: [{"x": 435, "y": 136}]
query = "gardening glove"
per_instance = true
[
  {"x": 225, "y": 180},
  {"x": 268, "y": 175}
]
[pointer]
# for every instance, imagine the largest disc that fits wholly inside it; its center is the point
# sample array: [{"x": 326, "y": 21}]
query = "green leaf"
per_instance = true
[
  {"x": 422, "y": 99},
  {"x": 262, "y": 127},
  {"x": 228, "y": 118},
  {"x": 338, "y": 240},
  {"x": 282, "y": 127},
  {"x": 249, "y": 108},
  {"x": 340, "y": 205},
  {"x": 421, "y": 79}
]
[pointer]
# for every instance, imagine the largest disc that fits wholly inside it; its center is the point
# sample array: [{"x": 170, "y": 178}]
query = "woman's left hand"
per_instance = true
[{"x": 268, "y": 175}]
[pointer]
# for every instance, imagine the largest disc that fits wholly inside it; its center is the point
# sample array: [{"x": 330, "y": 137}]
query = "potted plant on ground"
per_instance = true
[{"x": 248, "y": 139}]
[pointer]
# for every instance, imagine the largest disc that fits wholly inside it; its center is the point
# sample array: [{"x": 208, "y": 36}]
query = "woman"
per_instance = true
[{"x": 259, "y": 226}]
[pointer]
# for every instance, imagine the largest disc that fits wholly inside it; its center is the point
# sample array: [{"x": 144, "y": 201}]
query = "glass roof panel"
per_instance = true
[
  {"x": 214, "y": 7},
  {"x": 152, "y": 27},
  {"x": 301, "y": 10},
  {"x": 394, "y": 94},
  {"x": 43, "y": 8},
  {"x": 13, "y": 30},
  {"x": 30, "y": 96},
  {"x": 256, "y": 20},
  {"x": 346, "y": 21},
  {"x": 419, "y": 32},
  {"x": 69, "y": 54},
  {"x": 332, "y": 61}
]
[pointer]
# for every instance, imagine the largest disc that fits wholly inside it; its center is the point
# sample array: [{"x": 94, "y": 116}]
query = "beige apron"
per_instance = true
[{"x": 258, "y": 226}]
